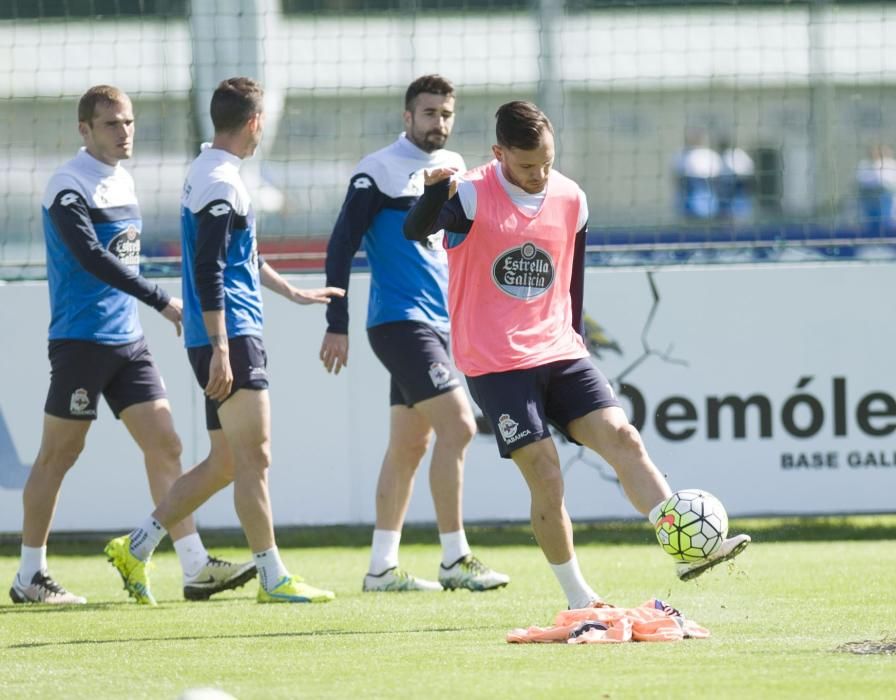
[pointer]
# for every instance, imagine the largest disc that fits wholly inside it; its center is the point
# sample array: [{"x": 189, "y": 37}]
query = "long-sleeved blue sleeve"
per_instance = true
[
  {"x": 72, "y": 222},
  {"x": 363, "y": 201},
  {"x": 215, "y": 222}
]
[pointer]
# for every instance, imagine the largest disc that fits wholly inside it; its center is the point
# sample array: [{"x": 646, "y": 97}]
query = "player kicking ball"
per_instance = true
[{"x": 515, "y": 233}]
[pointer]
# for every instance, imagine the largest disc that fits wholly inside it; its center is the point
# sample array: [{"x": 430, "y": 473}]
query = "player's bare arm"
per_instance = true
[{"x": 271, "y": 279}]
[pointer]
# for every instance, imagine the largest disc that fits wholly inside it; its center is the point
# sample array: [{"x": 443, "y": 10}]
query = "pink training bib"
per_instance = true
[{"x": 509, "y": 280}]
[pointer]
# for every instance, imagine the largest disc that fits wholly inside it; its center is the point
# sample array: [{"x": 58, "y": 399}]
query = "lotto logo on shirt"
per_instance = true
[
  {"x": 525, "y": 272},
  {"x": 126, "y": 246}
]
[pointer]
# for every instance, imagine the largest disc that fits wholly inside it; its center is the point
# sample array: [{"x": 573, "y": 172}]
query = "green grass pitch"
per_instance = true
[{"x": 804, "y": 588}]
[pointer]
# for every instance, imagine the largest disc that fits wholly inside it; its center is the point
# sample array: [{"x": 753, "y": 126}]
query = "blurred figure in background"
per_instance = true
[
  {"x": 736, "y": 184},
  {"x": 875, "y": 189},
  {"x": 697, "y": 169}
]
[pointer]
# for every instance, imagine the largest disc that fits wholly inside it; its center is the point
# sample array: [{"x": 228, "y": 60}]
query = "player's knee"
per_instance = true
[
  {"x": 224, "y": 470},
  {"x": 168, "y": 447},
  {"x": 457, "y": 434},
  {"x": 59, "y": 456},
  {"x": 260, "y": 456},
  {"x": 466, "y": 430},
  {"x": 628, "y": 439},
  {"x": 546, "y": 482},
  {"x": 410, "y": 451}
]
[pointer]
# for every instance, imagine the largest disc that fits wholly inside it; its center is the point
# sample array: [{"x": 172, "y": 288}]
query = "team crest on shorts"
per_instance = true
[
  {"x": 79, "y": 404},
  {"x": 510, "y": 429},
  {"x": 525, "y": 272},
  {"x": 439, "y": 374}
]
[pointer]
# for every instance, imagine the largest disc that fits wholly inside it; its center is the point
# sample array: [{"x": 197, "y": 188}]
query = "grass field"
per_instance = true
[{"x": 777, "y": 618}]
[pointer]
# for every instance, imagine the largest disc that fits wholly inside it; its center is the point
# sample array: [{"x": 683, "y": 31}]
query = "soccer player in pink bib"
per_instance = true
[{"x": 515, "y": 233}]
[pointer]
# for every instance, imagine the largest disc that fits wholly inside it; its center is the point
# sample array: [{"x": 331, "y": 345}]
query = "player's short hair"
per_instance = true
[
  {"x": 234, "y": 102},
  {"x": 521, "y": 124},
  {"x": 98, "y": 95},
  {"x": 432, "y": 84}
]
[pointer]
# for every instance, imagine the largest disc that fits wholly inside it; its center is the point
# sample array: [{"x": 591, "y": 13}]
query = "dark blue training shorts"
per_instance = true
[
  {"x": 416, "y": 356},
  {"x": 522, "y": 404},
  {"x": 81, "y": 370},
  {"x": 248, "y": 361}
]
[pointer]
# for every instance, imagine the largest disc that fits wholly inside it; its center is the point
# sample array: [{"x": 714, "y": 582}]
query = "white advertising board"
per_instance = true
[{"x": 772, "y": 387}]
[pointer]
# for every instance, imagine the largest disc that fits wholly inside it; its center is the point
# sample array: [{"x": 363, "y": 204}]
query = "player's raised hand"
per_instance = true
[
  {"x": 431, "y": 177},
  {"x": 315, "y": 296},
  {"x": 334, "y": 352},
  {"x": 174, "y": 312}
]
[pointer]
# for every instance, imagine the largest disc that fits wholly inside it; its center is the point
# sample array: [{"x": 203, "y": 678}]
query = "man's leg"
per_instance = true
[
  {"x": 176, "y": 496},
  {"x": 409, "y": 433},
  {"x": 196, "y": 486},
  {"x": 61, "y": 443},
  {"x": 540, "y": 466},
  {"x": 246, "y": 422},
  {"x": 151, "y": 426},
  {"x": 608, "y": 432},
  {"x": 452, "y": 420}
]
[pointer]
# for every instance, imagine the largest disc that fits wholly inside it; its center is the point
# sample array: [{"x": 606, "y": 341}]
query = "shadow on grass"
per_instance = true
[
  {"x": 39, "y": 609},
  {"x": 260, "y": 635},
  {"x": 611, "y": 532}
]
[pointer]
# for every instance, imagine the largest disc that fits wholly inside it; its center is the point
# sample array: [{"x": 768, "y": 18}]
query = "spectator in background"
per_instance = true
[
  {"x": 697, "y": 169},
  {"x": 736, "y": 183},
  {"x": 876, "y": 187}
]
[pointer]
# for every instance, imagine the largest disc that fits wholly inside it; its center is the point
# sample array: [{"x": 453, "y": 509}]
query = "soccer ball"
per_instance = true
[{"x": 692, "y": 525}]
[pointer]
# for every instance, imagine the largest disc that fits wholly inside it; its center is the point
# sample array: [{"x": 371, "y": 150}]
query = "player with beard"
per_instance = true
[{"x": 407, "y": 326}]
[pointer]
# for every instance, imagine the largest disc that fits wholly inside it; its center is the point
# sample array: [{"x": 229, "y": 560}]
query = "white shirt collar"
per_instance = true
[
  {"x": 221, "y": 154},
  {"x": 96, "y": 165}
]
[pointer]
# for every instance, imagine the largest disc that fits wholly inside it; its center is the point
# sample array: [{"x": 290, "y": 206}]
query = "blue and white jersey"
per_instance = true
[
  {"x": 220, "y": 251},
  {"x": 92, "y": 231},
  {"x": 409, "y": 280}
]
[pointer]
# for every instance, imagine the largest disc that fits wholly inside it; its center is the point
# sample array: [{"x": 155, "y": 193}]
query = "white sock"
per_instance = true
[
  {"x": 270, "y": 568},
  {"x": 192, "y": 554},
  {"x": 146, "y": 537},
  {"x": 454, "y": 546},
  {"x": 384, "y": 551},
  {"x": 34, "y": 559},
  {"x": 578, "y": 593},
  {"x": 654, "y": 514}
]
